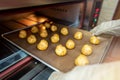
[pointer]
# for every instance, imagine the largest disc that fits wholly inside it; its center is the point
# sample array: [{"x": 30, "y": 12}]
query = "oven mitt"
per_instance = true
[
  {"x": 105, "y": 71},
  {"x": 109, "y": 28}
]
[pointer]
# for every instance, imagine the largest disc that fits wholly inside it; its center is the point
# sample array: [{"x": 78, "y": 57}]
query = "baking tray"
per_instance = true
[{"x": 49, "y": 58}]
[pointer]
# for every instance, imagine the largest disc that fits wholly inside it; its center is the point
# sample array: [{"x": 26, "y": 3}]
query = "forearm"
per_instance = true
[{"x": 109, "y": 71}]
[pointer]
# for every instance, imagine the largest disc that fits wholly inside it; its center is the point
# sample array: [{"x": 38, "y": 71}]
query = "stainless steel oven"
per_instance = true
[{"x": 15, "y": 63}]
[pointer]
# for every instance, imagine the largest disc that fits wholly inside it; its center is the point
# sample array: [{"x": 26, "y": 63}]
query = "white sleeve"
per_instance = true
[{"x": 106, "y": 71}]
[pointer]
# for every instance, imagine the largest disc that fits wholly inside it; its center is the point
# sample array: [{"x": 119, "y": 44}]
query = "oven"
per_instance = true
[{"x": 16, "y": 63}]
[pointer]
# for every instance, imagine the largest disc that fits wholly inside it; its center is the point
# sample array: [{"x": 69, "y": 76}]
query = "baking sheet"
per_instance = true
[{"x": 49, "y": 58}]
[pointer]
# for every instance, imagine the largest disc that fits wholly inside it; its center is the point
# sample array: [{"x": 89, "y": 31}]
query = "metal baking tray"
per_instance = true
[{"x": 49, "y": 58}]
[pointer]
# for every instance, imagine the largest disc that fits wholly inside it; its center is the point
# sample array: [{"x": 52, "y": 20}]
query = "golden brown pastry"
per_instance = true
[
  {"x": 47, "y": 25},
  {"x": 55, "y": 38},
  {"x": 70, "y": 44},
  {"x": 34, "y": 29},
  {"x": 94, "y": 40},
  {"x": 42, "y": 45},
  {"x": 43, "y": 33},
  {"x": 42, "y": 19},
  {"x": 81, "y": 60},
  {"x": 53, "y": 28},
  {"x": 51, "y": 22},
  {"x": 64, "y": 31},
  {"x": 31, "y": 39},
  {"x": 42, "y": 27},
  {"x": 78, "y": 35},
  {"x": 60, "y": 50},
  {"x": 22, "y": 34},
  {"x": 86, "y": 49}
]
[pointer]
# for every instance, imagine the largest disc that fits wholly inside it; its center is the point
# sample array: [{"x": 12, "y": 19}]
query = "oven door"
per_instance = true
[{"x": 16, "y": 64}]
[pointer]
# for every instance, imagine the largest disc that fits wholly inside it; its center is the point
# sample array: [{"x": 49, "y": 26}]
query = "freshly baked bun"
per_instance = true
[
  {"x": 22, "y": 34},
  {"x": 64, "y": 31},
  {"x": 43, "y": 33},
  {"x": 47, "y": 24},
  {"x": 42, "y": 19},
  {"x": 87, "y": 49},
  {"x": 81, "y": 60},
  {"x": 55, "y": 38},
  {"x": 70, "y": 44},
  {"x": 53, "y": 28},
  {"x": 42, "y": 45},
  {"x": 78, "y": 35},
  {"x": 34, "y": 29},
  {"x": 31, "y": 39},
  {"x": 42, "y": 27},
  {"x": 94, "y": 40},
  {"x": 60, "y": 50}
]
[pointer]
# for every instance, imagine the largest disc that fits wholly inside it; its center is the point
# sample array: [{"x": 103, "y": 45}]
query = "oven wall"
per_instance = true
[
  {"x": 107, "y": 10},
  {"x": 69, "y": 12},
  {"x": 13, "y": 16}
]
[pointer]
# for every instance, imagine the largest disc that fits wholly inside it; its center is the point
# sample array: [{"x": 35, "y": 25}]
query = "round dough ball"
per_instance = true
[
  {"x": 42, "y": 45},
  {"x": 43, "y": 33},
  {"x": 34, "y": 29},
  {"x": 60, "y": 50},
  {"x": 94, "y": 40},
  {"x": 42, "y": 19},
  {"x": 53, "y": 28},
  {"x": 31, "y": 39},
  {"x": 81, "y": 60},
  {"x": 64, "y": 31},
  {"x": 51, "y": 22},
  {"x": 22, "y": 34},
  {"x": 70, "y": 44},
  {"x": 86, "y": 49},
  {"x": 47, "y": 25},
  {"x": 78, "y": 35},
  {"x": 55, "y": 38},
  {"x": 42, "y": 27}
]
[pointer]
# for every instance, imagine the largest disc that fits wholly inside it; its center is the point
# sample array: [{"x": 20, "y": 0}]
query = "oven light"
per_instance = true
[
  {"x": 95, "y": 20},
  {"x": 97, "y": 10},
  {"x": 96, "y": 15}
]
